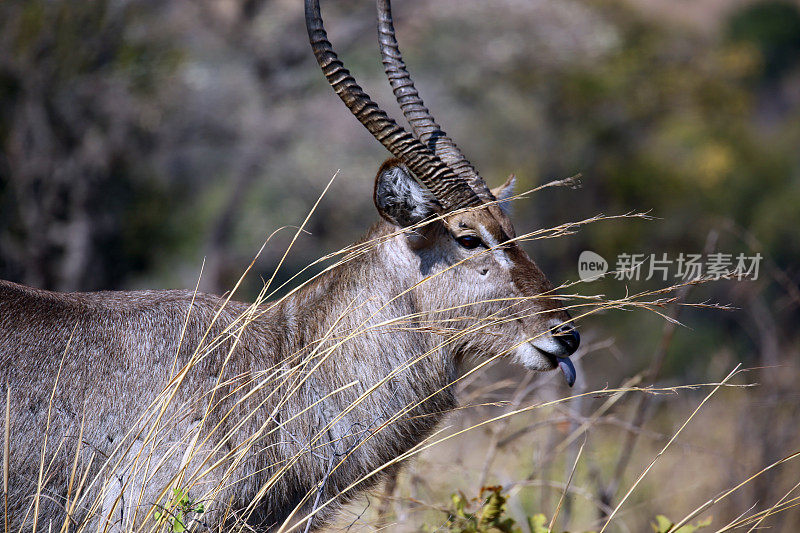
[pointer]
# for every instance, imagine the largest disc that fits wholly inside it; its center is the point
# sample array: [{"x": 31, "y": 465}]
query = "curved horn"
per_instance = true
[
  {"x": 448, "y": 189},
  {"x": 418, "y": 116}
]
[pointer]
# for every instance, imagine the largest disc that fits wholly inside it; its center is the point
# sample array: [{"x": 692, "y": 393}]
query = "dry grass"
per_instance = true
[{"x": 503, "y": 414}]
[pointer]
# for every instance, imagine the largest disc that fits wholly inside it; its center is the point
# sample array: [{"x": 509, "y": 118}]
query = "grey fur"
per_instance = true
[
  {"x": 400, "y": 198},
  {"x": 310, "y": 394}
]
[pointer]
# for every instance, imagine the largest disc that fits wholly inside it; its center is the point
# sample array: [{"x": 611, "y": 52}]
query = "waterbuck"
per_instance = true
[{"x": 159, "y": 409}]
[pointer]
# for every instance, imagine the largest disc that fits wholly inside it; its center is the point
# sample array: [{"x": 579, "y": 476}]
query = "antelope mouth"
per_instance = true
[{"x": 564, "y": 364}]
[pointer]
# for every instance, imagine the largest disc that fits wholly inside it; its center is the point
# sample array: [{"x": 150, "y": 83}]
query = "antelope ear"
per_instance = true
[
  {"x": 504, "y": 192},
  {"x": 400, "y": 198}
]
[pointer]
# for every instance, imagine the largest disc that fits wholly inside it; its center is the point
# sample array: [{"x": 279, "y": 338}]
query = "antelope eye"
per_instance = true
[{"x": 468, "y": 241}]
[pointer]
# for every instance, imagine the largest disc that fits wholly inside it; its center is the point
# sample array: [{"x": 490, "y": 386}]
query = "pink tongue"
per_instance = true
[{"x": 568, "y": 370}]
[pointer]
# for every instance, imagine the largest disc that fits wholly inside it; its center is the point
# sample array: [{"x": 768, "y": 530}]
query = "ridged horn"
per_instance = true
[
  {"x": 449, "y": 190},
  {"x": 418, "y": 116}
]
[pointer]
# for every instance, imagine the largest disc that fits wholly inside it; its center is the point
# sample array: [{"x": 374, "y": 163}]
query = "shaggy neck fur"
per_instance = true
[
  {"x": 310, "y": 396},
  {"x": 359, "y": 330}
]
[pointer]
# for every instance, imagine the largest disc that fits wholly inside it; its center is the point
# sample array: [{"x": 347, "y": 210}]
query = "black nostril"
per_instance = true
[{"x": 568, "y": 336}]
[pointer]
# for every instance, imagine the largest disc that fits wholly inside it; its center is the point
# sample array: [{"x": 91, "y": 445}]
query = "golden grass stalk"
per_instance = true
[
  {"x": 40, "y": 481},
  {"x": 157, "y": 423},
  {"x": 566, "y": 489},
  {"x": 713, "y": 501},
  {"x": 666, "y": 446}
]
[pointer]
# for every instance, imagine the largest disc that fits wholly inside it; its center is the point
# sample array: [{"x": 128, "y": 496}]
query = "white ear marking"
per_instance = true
[{"x": 400, "y": 198}]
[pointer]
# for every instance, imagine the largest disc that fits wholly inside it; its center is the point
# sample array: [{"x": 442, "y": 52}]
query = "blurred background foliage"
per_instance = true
[{"x": 140, "y": 137}]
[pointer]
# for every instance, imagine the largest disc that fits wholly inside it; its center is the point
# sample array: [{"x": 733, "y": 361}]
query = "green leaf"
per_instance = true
[
  {"x": 177, "y": 525},
  {"x": 537, "y": 523},
  {"x": 662, "y": 524},
  {"x": 493, "y": 508},
  {"x": 705, "y": 523},
  {"x": 459, "y": 502}
]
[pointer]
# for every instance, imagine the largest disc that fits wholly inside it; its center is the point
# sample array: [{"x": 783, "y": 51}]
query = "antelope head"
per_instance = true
[{"x": 461, "y": 228}]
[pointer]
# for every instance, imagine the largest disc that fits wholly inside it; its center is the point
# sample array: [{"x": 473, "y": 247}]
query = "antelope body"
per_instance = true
[{"x": 266, "y": 414}]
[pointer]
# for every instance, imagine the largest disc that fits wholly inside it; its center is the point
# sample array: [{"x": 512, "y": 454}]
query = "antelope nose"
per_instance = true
[{"x": 568, "y": 337}]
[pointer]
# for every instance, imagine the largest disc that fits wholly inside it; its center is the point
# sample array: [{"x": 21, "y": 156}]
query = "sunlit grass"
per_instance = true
[{"x": 151, "y": 443}]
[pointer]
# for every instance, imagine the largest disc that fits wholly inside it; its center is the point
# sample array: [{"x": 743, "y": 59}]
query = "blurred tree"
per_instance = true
[
  {"x": 137, "y": 136},
  {"x": 79, "y": 113},
  {"x": 774, "y": 28}
]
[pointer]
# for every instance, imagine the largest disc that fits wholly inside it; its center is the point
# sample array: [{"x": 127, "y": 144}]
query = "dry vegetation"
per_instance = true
[
  {"x": 181, "y": 131},
  {"x": 590, "y": 459}
]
